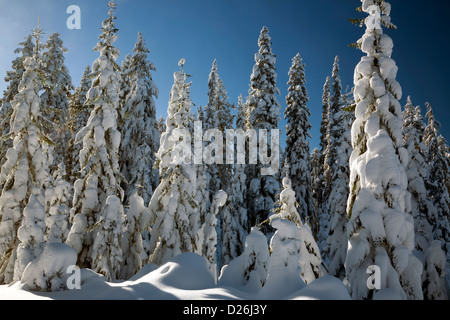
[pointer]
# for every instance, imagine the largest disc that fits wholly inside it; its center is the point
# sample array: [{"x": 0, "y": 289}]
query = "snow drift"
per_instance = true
[{"x": 185, "y": 277}]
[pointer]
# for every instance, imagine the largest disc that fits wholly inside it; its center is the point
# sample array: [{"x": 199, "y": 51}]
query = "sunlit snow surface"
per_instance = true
[{"x": 185, "y": 277}]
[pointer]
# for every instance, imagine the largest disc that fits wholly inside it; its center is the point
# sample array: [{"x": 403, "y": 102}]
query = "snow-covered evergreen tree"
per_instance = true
[
  {"x": 79, "y": 113},
  {"x": 417, "y": 172},
  {"x": 437, "y": 182},
  {"x": 434, "y": 273},
  {"x": 218, "y": 116},
  {"x": 234, "y": 218},
  {"x": 57, "y": 220},
  {"x": 23, "y": 174},
  {"x": 234, "y": 214},
  {"x": 336, "y": 248},
  {"x": 37, "y": 34},
  {"x": 334, "y": 129},
  {"x": 140, "y": 135},
  {"x": 13, "y": 79},
  {"x": 48, "y": 273},
  {"x": 55, "y": 99},
  {"x": 284, "y": 267},
  {"x": 30, "y": 235},
  {"x": 5, "y": 118},
  {"x": 324, "y": 124},
  {"x": 423, "y": 208},
  {"x": 174, "y": 212},
  {"x": 380, "y": 227},
  {"x": 216, "y": 176},
  {"x": 161, "y": 125},
  {"x": 210, "y": 237},
  {"x": 305, "y": 248},
  {"x": 321, "y": 186},
  {"x": 212, "y": 232},
  {"x": 14, "y": 76},
  {"x": 125, "y": 85},
  {"x": 297, "y": 152},
  {"x": 107, "y": 254},
  {"x": 136, "y": 221},
  {"x": 249, "y": 270},
  {"x": 288, "y": 204},
  {"x": 262, "y": 113},
  {"x": 98, "y": 190},
  {"x": 324, "y": 138},
  {"x": 241, "y": 114}
]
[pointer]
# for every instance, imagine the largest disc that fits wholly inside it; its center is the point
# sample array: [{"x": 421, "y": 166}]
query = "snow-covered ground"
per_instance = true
[{"x": 185, "y": 277}]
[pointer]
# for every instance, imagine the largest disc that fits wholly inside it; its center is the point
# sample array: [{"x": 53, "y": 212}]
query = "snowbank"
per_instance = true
[{"x": 185, "y": 277}]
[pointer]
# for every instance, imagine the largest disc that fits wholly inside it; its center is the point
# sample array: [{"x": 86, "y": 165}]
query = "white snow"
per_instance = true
[
  {"x": 50, "y": 267},
  {"x": 248, "y": 272},
  {"x": 184, "y": 277}
]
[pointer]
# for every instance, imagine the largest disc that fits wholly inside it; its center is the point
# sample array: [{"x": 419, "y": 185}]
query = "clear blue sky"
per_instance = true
[{"x": 202, "y": 30}]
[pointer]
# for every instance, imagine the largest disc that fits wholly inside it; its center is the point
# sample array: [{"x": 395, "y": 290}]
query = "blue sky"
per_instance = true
[{"x": 228, "y": 30}]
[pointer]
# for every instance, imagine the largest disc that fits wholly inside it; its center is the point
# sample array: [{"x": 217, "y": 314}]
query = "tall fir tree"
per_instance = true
[
  {"x": 262, "y": 113},
  {"x": 97, "y": 194},
  {"x": 79, "y": 113},
  {"x": 423, "y": 210},
  {"x": 13, "y": 79},
  {"x": 380, "y": 227},
  {"x": 333, "y": 219},
  {"x": 174, "y": 212},
  {"x": 324, "y": 124},
  {"x": 297, "y": 151},
  {"x": 234, "y": 214},
  {"x": 140, "y": 140},
  {"x": 218, "y": 116},
  {"x": 320, "y": 183},
  {"x": 295, "y": 237},
  {"x": 336, "y": 246},
  {"x": 417, "y": 172},
  {"x": 334, "y": 129},
  {"x": 55, "y": 99},
  {"x": 437, "y": 182},
  {"x": 333, "y": 133},
  {"x": 22, "y": 177}
]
